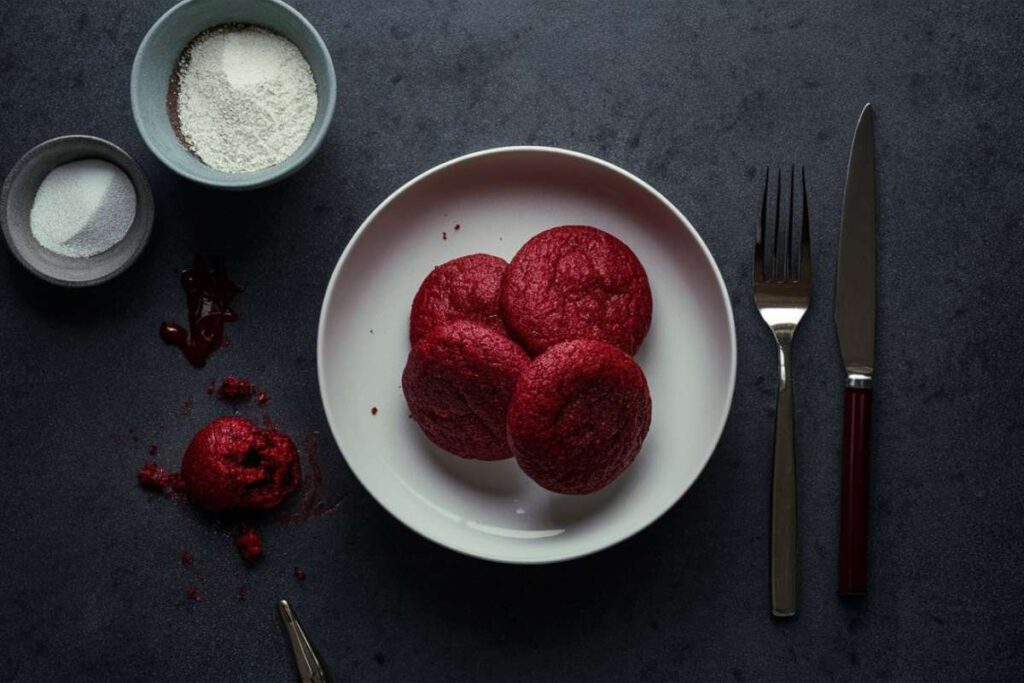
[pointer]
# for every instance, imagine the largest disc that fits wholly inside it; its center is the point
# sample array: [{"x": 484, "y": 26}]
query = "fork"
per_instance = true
[{"x": 782, "y": 296}]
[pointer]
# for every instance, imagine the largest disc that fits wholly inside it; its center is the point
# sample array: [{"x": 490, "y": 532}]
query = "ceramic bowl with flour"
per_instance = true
[{"x": 235, "y": 94}]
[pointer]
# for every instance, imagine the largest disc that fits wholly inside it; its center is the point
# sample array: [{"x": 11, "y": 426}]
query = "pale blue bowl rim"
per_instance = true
[{"x": 254, "y": 179}]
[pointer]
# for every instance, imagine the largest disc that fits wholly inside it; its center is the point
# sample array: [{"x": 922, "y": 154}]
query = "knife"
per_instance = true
[{"x": 855, "y": 324}]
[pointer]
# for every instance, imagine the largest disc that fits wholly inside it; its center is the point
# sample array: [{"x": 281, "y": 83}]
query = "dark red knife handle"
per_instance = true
[{"x": 853, "y": 524}]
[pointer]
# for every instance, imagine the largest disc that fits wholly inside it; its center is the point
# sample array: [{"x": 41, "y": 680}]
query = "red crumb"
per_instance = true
[
  {"x": 243, "y": 591},
  {"x": 211, "y": 388},
  {"x": 249, "y": 544},
  {"x": 457, "y": 227},
  {"x": 156, "y": 478},
  {"x": 235, "y": 387},
  {"x": 299, "y": 574},
  {"x": 444, "y": 235},
  {"x": 152, "y": 449},
  {"x": 262, "y": 398},
  {"x": 186, "y": 558},
  {"x": 192, "y": 593},
  {"x": 373, "y": 410},
  {"x": 232, "y": 464}
]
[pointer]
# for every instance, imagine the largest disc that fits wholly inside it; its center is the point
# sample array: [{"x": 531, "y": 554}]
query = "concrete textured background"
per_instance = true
[{"x": 695, "y": 97}]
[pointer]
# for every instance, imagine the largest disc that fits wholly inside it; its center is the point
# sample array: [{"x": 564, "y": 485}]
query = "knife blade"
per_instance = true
[{"x": 855, "y": 325}]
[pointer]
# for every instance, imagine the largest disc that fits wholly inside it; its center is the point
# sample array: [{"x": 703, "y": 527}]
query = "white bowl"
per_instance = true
[{"x": 499, "y": 198}]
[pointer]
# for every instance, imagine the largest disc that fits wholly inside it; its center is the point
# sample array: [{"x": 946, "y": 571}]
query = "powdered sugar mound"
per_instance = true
[{"x": 246, "y": 98}]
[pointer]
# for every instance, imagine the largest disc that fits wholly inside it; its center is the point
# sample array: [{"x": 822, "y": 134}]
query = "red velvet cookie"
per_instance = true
[
  {"x": 466, "y": 288},
  {"x": 231, "y": 464},
  {"x": 458, "y": 381},
  {"x": 578, "y": 416},
  {"x": 576, "y": 282}
]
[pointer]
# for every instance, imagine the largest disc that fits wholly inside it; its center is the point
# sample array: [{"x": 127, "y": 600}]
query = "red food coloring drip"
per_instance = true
[
  {"x": 243, "y": 592},
  {"x": 249, "y": 544},
  {"x": 235, "y": 387},
  {"x": 457, "y": 227},
  {"x": 444, "y": 235},
  {"x": 262, "y": 398},
  {"x": 156, "y": 478},
  {"x": 186, "y": 558},
  {"x": 373, "y": 410},
  {"x": 299, "y": 574},
  {"x": 192, "y": 593},
  {"x": 152, "y": 449},
  {"x": 209, "y": 293}
]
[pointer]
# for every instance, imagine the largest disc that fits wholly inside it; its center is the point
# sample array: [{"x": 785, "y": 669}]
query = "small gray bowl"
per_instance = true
[
  {"x": 19, "y": 192},
  {"x": 158, "y": 54}
]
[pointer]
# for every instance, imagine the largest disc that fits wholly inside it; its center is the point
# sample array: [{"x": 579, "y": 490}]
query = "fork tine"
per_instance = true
[
  {"x": 805, "y": 233},
  {"x": 759, "y": 241},
  {"x": 775, "y": 244},
  {"x": 789, "y": 271}
]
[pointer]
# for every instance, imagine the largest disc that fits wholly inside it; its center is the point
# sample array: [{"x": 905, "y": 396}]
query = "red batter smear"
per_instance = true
[
  {"x": 249, "y": 544},
  {"x": 312, "y": 504},
  {"x": 373, "y": 410},
  {"x": 231, "y": 464},
  {"x": 209, "y": 293}
]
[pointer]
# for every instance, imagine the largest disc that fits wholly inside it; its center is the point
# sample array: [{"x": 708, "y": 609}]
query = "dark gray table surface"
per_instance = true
[{"x": 695, "y": 97}]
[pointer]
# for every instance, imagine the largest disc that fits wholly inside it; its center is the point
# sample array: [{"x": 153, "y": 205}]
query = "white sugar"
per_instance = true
[
  {"x": 83, "y": 208},
  {"x": 246, "y": 98}
]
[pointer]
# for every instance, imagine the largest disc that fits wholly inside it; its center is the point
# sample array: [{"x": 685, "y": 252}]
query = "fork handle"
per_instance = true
[
  {"x": 853, "y": 525},
  {"x": 784, "y": 550}
]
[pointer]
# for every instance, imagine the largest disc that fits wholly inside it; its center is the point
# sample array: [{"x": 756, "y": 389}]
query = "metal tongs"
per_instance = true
[{"x": 310, "y": 670}]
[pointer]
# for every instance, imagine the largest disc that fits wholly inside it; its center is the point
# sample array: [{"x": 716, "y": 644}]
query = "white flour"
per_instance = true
[
  {"x": 246, "y": 98},
  {"x": 83, "y": 208}
]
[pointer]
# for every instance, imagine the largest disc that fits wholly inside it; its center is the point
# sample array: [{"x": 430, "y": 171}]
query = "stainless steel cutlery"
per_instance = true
[
  {"x": 855, "y": 324},
  {"x": 782, "y": 292}
]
